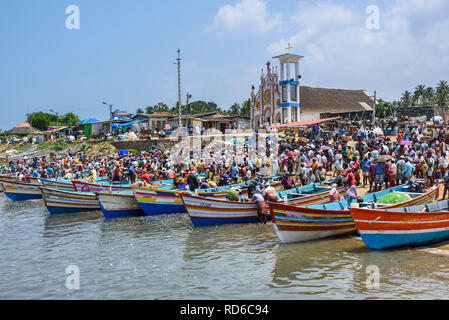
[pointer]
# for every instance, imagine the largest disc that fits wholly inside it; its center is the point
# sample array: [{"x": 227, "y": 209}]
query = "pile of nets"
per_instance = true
[{"x": 394, "y": 198}]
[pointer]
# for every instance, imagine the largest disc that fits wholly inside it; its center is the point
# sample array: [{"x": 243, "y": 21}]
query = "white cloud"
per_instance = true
[
  {"x": 410, "y": 48},
  {"x": 245, "y": 17}
]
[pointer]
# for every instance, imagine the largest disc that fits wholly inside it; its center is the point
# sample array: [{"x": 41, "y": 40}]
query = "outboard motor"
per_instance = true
[
  {"x": 338, "y": 181},
  {"x": 417, "y": 186}
]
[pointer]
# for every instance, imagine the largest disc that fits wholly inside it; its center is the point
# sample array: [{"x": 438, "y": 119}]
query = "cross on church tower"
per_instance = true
[{"x": 289, "y": 48}]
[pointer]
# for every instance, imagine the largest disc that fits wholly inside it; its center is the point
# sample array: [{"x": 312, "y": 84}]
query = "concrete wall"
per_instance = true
[
  {"x": 143, "y": 145},
  {"x": 429, "y": 112}
]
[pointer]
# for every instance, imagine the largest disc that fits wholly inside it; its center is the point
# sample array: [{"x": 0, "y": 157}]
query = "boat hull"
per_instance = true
[
  {"x": 59, "y": 201},
  {"x": 319, "y": 197},
  {"x": 286, "y": 236},
  {"x": 383, "y": 230},
  {"x": 207, "y": 211},
  {"x": 20, "y": 191},
  {"x": 115, "y": 205},
  {"x": 53, "y": 184},
  {"x": 297, "y": 224},
  {"x": 156, "y": 202},
  {"x": 82, "y": 186}
]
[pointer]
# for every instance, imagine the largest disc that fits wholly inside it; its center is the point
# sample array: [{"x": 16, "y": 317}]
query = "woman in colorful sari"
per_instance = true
[{"x": 351, "y": 193}]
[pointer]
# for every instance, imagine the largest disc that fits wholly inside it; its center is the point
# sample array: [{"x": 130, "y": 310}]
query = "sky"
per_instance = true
[{"x": 124, "y": 52}]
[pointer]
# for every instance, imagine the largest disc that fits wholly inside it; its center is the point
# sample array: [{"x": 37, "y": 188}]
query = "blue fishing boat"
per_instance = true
[
  {"x": 60, "y": 201},
  {"x": 155, "y": 201},
  {"x": 403, "y": 227},
  {"x": 21, "y": 190},
  {"x": 208, "y": 211},
  {"x": 297, "y": 223}
]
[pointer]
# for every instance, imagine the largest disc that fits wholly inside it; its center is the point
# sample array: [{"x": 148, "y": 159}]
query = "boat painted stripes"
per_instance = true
[
  {"x": 155, "y": 201},
  {"x": 296, "y": 223},
  {"x": 58, "y": 184},
  {"x": 403, "y": 227},
  {"x": 20, "y": 190},
  {"x": 60, "y": 201},
  {"x": 114, "y": 186},
  {"x": 317, "y": 198},
  {"x": 207, "y": 211},
  {"x": 119, "y": 204},
  {"x": 84, "y": 186}
]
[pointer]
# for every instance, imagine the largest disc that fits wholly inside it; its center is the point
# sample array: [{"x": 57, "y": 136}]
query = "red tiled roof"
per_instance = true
[{"x": 23, "y": 125}]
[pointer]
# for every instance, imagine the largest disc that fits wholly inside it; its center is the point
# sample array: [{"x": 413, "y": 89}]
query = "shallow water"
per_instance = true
[{"x": 166, "y": 257}]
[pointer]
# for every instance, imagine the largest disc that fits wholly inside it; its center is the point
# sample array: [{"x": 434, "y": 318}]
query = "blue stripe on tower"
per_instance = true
[
  {"x": 289, "y": 104},
  {"x": 288, "y": 81}
]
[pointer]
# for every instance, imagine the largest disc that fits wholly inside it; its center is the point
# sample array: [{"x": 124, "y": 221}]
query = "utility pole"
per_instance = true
[
  {"x": 179, "y": 88},
  {"x": 57, "y": 116},
  {"x": 30, "y": 116},
  {"x": 374, "y": 110},
  {"x": 110, "y": 117}
]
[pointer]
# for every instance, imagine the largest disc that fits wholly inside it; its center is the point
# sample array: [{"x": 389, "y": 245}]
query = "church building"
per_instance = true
[{"x": 281, "y": 99}]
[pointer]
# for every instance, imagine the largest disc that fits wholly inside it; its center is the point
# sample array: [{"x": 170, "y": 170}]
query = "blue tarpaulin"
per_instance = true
[
  {"x": 123, "y": 153},
  {"x": 118, "y": 118},
  {"x": 126, "y": 124},
  {"x": 86, "y": 121}
]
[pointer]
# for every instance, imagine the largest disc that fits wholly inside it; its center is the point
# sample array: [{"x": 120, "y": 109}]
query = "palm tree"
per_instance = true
[
  {"x": 406, "y": 99},
  {"x": 235, "y": 109},
  {"x": 418, "y": 94},
  {"x": 161, "y": 107},
  {"x": 442, "y": 95},
  {"x": 245, "y": 111},
  {"x": 428, "y": 96},
  {"x": 139, "y": 110},
  {"x": 149, "y": 109}
]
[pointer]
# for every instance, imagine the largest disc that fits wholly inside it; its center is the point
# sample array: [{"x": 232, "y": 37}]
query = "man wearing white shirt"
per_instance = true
[{"x": 444, "y": 163}]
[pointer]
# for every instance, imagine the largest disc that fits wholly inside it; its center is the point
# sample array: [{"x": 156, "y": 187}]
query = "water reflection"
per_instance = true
[
  {"x": 12, "y": 208},
  {"x": 64, "y": 221},
  {"x": 166, "y": 257},
  {"x": 202, "y": 242}
]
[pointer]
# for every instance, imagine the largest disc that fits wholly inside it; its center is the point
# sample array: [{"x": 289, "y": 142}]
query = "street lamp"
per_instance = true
[
  {"x": 29, "y": 115},
  {"x": 187, "y": 103},
  {"x": 57, "y": 116},
  {"x": 110, "y": 117}
]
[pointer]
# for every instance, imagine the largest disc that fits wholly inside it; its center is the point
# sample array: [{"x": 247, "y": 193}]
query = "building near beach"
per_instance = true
[
  {"x": 280, "y": 97},
  {"x": 25, "y": 129}
]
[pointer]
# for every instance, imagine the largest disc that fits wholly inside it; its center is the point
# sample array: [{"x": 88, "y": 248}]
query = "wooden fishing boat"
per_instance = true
[
  {"x": 119, "y": 204},
  {"x": 21, "y": 190},
  {"x": 317, "y": 197},
  {"x": 207, "y": 211},
  {"x": 115, "y": 186},
  {"x": 154, "y": 201},
  {"x": 60, "y": 201},
  {"x": 58, "y": 184},
  {"x": 296, "y": 224},
  {"x": 399, "y": 227},
  {"x": 83, "y": 186}
]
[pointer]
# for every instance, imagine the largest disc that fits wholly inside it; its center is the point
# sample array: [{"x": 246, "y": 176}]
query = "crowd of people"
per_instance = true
[{"x": 366, "y": 159}]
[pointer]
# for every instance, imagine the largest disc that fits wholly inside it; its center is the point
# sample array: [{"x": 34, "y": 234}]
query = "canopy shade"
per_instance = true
[
  {"x": 118, "y": 118},
  {"x": 302, "y": 123},
  {"x": 117, "y": 125},
  {"x": 86, "y": 121}
]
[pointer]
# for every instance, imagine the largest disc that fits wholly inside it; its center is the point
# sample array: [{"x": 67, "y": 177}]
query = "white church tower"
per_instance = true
[{"x": 289, "y": 84}]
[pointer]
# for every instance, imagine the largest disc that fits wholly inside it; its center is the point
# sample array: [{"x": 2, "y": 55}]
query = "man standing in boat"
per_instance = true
[{"x": 192, "y": 180}]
